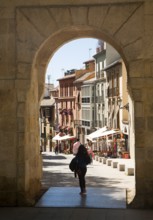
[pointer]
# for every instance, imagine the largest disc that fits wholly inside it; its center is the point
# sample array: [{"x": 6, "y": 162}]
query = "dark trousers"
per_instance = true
[{"x": 81, "y": 174}]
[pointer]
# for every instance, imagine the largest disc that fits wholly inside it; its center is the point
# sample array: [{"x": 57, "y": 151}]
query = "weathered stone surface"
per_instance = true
[
  {"x": 7, "y": 85},
  {"x": 148, "y": 169},
  {"x": 149, "y": 139},
  {"x": 140, "y": 139},
  {"x": 140, "y": 152},
  {"x": 127, "y": 37},
  {"x": 140, "y": 170},
  {"x": 149, "y": 109},
  {"x": 7, "y": 12},
  {"x": 140, "y": 124},
  {"x": 142, "y": 82},
  {"x": 22, "y": 84},
  {"x": 21, "y": 124},
  {"x": 10, "y": 126},
  {"x": 136, "y": 69},
  {"x": 8, "y": 170},
  {"x": 96, "y": 15},
  {"x": 148, "y": 36},
  {"x": 37, "y": 17},
  {"x": 8, "y": 102},
  {"x": 22, "y": 95},
  {"x": 30, "y": 33},
  {"x": 122, "y": 15},
  {"x": 150, "y": 123},
  {"x": 139, "y": 111},
  {"x": 148, "y": 94},
  {"x": 21, "y": 110},
  {"x": 61, "y": 14},
  {"x": 21, "y": 139},
  {"x": 137, "y": 94},
  {"x": 79, "y": 16},
  {"x": 149, "y": 153},
  {"x": 24, "y": 71},
  {"x": 137, "y": 53}
]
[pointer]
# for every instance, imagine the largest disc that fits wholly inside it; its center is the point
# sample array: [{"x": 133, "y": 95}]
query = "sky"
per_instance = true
[{"x": 71, "y": 55}]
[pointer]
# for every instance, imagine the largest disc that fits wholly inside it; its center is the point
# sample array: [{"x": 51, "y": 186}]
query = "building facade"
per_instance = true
[
  {"x": 47, "y": 119},
  {"x": 118, "y": 98},
  {"x": 84, "y": 111},
  {"x": 101, "y": 105}
]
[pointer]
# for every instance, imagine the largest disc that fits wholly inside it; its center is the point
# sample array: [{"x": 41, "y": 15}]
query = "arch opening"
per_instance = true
[{"x": 54, "y": 42}]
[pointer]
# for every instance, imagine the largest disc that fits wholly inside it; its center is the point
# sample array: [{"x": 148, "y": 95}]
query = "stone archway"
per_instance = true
[{"x": 40, "y": 31}]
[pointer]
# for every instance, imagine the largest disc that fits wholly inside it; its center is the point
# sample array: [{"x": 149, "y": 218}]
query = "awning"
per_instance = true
[
  {"x": 95, "y": 133},
  {"x": 103, "y": 133},
  {"x": 61, "y": 138},
  {"x": 106, "y": 133},
  {"x": 57, "y": 137},
  {"x": 67, "y": 137}
]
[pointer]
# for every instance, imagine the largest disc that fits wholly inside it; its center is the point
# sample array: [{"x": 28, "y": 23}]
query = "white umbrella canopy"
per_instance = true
[
  {"x": 94, "y": 134},
  {"x": 101, "y": 133},
  {"x": 61, "y": 138}
]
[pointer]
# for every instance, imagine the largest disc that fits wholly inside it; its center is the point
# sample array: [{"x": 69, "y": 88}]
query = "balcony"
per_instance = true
[
  {"x": 86, "y": 123},
  {"x": 66, "y": 111},
  {"x": 113, "y": 92}
]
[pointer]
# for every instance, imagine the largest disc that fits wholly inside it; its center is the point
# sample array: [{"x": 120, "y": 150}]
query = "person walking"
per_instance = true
[
  {"x": 76, "y": 146},
  {"x": 56, "y": 148},
  {"x": 83, "y": 159}
]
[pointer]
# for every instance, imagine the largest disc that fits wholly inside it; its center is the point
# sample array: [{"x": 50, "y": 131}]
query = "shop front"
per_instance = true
[
  {"x": 64, "y": 143},
  {"x": 111, "y": 143}
]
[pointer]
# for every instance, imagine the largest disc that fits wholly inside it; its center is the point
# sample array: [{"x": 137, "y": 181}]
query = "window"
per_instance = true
[
  {"x": 85, "y": 113},
  {"x": 85, "y": 91},
  {"x": 86, "y": 100},
  {"x": 86, "y": 123}
]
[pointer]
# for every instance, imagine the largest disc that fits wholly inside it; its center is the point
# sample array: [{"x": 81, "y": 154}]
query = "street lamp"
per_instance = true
[
  {"x": 126, "y": 107},
  {"x": 119, "y": 102}
]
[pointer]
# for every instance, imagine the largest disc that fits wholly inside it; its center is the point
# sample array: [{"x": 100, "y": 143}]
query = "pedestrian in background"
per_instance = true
[
  {"x": 56, "y": 148},
  {"x": 76, "y": 146}
]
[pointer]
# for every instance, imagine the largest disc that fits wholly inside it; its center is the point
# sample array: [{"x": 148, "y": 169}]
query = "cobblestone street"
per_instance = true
[
  {"x": 56, "y": 173},
  {"x": 99, "y": 177}
]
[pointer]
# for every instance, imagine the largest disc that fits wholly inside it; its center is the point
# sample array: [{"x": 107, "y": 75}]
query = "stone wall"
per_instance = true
[{"x": 30, "y": 33}]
